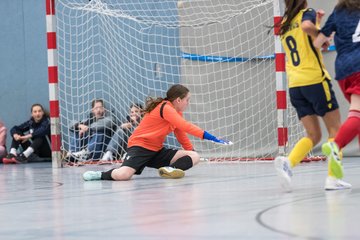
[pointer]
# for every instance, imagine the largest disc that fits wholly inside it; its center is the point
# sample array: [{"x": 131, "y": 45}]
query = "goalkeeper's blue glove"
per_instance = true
[{"x": 216, "y": 140}]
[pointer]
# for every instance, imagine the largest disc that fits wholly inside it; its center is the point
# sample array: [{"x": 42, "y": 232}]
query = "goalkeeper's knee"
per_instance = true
[{"x": 183, "y": 163}]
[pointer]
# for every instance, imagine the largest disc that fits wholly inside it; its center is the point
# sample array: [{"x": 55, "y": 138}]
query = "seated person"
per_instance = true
[
  {"x": 118, "y": 143},
  {"x": 32, "y": 136},
  {"x": 91, "y": 136},
  {"x": 2, "y": 140}
]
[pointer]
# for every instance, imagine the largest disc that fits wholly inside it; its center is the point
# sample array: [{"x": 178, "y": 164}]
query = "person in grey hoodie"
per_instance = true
[{"x": 90, "y": 137}]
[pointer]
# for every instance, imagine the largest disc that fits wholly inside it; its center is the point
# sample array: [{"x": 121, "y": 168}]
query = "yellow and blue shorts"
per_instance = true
[{"x": 315, "y": 99}]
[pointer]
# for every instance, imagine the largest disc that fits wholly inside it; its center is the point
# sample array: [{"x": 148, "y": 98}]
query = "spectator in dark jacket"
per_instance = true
[{"x": 32, "y": 136}]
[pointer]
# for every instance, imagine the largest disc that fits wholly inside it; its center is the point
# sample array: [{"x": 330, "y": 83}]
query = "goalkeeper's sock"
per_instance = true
[
  {"x": 183, "y": 163},
  {"x": 107, "y": 175},
  {"x": 301, "y": 149}
]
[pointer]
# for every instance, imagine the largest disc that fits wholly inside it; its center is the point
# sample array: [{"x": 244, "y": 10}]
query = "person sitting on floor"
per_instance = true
[
  {"x": 118, "y": 143},
  {"x": 32, "y": 135},
  {"x": 91, "y": 136}
]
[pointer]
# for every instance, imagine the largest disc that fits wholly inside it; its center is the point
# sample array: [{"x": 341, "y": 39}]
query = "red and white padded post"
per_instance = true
[
  {"x": 53, "y": 83},
  {"x": 281, "y": 83}
]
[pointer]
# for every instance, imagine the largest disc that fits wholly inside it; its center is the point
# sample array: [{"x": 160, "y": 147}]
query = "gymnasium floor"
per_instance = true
[{"x": 214, "y": 201}]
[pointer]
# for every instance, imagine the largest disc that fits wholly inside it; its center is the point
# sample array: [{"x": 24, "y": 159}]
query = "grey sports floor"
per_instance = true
[{"x": 213, "y": 201}]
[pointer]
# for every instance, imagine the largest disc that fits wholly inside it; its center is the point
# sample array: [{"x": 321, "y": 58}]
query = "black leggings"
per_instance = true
[{"x": 40, "y": 146}]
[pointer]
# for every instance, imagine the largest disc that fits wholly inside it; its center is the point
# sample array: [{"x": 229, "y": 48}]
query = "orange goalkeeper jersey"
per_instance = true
[{"x": 157, "y": 124}]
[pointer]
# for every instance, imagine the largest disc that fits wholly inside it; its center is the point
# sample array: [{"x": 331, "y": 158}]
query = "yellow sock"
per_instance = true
[
  {"x": 301, "y": 149},
  {"x": 341, "y": 155}
]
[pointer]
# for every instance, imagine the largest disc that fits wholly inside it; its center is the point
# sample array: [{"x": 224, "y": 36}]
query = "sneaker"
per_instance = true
[
  {"x": 35, "y": 158},
  {"x": 169, "y": 172},
  {"x": 332, "y": 183},
  {"x": 81, "y": 155},
  {"x": 70, "y": 158},
  {"x": 9, "y": 159},
  {"x": 92, "y": 175},
  {"x": 331, "y": 150},
  {"x": 21, "y": 159},
  {"x": 283, "y": 169}
]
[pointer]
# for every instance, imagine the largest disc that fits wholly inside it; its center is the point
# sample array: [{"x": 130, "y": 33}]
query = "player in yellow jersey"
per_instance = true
[{"x": 310, "y": 89}]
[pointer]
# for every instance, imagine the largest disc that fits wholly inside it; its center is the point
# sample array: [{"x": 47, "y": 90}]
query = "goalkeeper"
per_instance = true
[{"x": 145, "y": 146}]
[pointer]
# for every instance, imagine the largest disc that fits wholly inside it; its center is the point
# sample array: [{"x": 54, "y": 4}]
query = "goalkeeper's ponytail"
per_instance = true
[
  {"x": 151, "y": 103},
  {"x": 174, "y": 92}
]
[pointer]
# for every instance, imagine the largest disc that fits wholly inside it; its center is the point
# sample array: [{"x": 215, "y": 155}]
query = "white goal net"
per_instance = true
[{"x": 123, "y": 51}]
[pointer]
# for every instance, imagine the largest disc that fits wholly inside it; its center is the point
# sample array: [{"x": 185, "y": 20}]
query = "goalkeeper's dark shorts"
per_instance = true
[
  {"x": 138, "y": 158},
  {"x": 315, "y": 99}
]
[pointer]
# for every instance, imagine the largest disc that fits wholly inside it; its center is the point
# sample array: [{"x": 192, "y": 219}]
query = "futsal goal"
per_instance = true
[{"x": 123, "y": 51}]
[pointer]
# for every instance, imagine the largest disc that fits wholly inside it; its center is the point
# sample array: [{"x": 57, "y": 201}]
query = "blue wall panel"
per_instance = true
[
  {"x": 23, "y": 55},
  {"x": 23, "y": 59}
]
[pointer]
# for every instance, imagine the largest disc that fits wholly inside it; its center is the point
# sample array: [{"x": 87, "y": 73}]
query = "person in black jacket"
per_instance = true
[{"x": 32, "y": 135}]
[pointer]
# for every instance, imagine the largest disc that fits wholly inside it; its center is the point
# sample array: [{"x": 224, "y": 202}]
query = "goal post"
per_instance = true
[
  {"x": 53, "y": 83},
  {"x": 281, "y": 83},
  {"x": 124, "y": 51}
]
